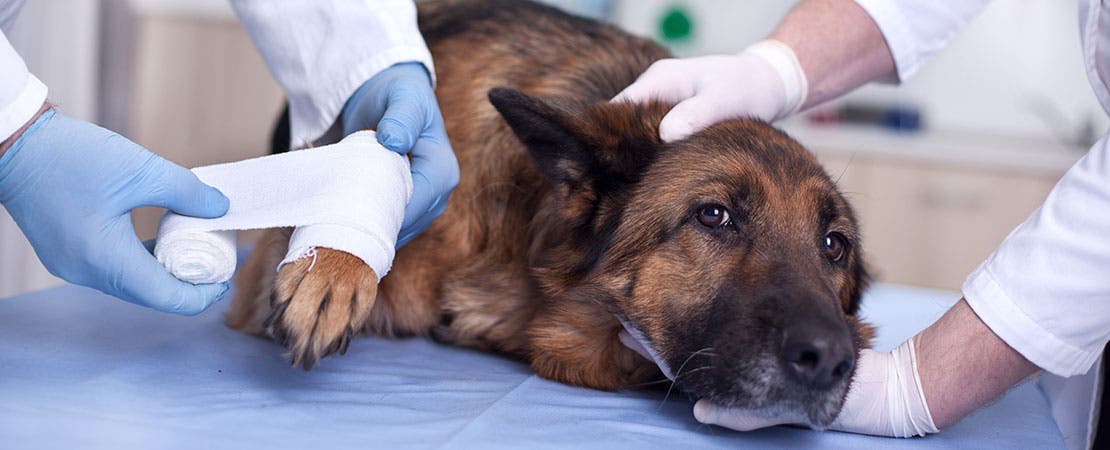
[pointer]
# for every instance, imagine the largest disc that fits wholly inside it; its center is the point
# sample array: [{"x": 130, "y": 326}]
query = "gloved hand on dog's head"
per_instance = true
[
  {"x": 400, "y": 104},
  {"x": 765, "y": 82},
  {"x": 885, "y": 399}
]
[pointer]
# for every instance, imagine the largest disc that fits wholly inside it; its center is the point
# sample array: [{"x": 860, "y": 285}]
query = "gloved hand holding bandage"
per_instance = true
[{"x": 348, "y": 196}]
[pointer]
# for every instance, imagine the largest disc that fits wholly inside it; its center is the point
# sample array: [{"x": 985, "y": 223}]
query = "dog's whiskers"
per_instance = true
[
  {"x": 678, "y": 373},
  {"x": 846, "y": 166},
  {"x": 696, "y": 370},
  {"x": 649, "y": 383}
]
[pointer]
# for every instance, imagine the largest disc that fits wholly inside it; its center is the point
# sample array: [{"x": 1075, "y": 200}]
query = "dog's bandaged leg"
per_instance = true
[{"x": 347, "y": 196}]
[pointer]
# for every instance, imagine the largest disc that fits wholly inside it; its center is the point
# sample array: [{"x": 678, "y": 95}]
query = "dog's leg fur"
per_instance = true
[
  {"x": 254, "y": 284},
  {"x": 579, "y": 345}
]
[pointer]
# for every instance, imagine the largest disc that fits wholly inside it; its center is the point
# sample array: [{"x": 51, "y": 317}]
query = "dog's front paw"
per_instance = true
[{"x": 319, "y": 303}]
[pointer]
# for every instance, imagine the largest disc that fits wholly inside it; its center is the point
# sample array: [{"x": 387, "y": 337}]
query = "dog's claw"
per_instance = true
[
  {"x": 344, "y": 341},
  {"x": 307, "y": 362},
  {"x": 276, "y": 313}
]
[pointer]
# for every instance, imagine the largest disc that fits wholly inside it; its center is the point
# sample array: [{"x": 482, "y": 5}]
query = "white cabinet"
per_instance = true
[{"x": 933, "y": 207}]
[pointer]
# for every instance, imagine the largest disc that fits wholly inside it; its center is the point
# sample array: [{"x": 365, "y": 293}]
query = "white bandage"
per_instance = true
[
  {"x": 783, "y": 60},
  {"x": 196, "y": 255},
  {"x": 347, "y": 196}
]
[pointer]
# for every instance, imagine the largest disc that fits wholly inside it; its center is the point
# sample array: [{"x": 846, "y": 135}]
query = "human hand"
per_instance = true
[
  {"x": 765, "y": 82},
  {"x": 400, "y": 103},
  {"x": 885, "y": 399},
  {"x": 71, "y": 186}
]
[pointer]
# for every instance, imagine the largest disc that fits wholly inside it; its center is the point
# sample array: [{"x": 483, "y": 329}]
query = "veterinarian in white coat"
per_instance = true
[
  {"x": 1042, "y": 300},
  {"x": 345, "y": 65}
]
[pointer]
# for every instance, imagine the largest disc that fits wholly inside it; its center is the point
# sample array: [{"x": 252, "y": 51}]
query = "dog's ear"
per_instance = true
[
  {"x": 549, "y": 133},
  {"x": 576, "y": 146},
  {"x": 590, "y": 154}
]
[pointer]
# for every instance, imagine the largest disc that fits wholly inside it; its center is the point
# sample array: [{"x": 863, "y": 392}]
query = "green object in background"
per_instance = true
[{"x": 675, "y": 24}]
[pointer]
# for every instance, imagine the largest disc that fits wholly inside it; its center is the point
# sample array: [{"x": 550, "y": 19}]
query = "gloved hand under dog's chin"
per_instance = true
[
  {"x": 400, "y": 104},
  {"x": 885, "y": 399},
  {"x": 708, "y": 413}
]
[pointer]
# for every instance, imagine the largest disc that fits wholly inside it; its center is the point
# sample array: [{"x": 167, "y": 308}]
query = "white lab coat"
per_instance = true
[
  {"x": 322, "y": 51},
  {"x": 21, "y": 94},
  {"x": 1046, "y": 289},
  {"x": 319, "y": 51}
]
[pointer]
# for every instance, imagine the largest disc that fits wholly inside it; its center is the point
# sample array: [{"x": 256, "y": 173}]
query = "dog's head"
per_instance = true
[{"x": 731, "y": 252}]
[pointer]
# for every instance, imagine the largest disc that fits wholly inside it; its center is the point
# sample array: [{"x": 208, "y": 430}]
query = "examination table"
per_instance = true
[{"x": 81, "y": 370}]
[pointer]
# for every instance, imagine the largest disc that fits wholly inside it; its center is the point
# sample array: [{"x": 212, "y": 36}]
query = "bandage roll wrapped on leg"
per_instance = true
[{"x": 348, "y": 196}]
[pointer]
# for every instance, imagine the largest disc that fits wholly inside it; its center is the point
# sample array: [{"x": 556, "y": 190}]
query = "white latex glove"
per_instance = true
[
  {"x": 885, "y": 399},
  {"x": 765, "y": 81}
]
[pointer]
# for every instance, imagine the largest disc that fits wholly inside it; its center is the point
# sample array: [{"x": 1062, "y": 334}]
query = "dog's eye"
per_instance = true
[
  {"x": 714, "y": 216},
  {"x": 836, "y": 246}
]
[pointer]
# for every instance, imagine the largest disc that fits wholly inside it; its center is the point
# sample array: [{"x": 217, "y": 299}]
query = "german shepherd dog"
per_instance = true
[{"x": 731, "y": 253}]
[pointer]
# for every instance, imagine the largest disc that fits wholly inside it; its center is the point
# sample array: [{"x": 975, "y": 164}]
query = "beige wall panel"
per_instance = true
[
  {"x": 202, "y": 95},
  {"x": 931, "y": 226}
]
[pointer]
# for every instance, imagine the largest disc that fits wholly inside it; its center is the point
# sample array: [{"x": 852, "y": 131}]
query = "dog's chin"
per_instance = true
[
  {"x": 767, "y": 395},
  {"x": 817, "y": 414},
  {"x": 756, "y": 383},
  {"x": 816, "y": 410},
  {"x": 822, "y": 408}
]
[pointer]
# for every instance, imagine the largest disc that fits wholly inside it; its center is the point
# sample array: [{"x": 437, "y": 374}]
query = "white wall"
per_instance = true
[
  {"x": 59, "y": 41},
  {"x": 60, "y": 49},
  {"x": 720, "y": 26},
  {"x": 1014, "y": 64}
]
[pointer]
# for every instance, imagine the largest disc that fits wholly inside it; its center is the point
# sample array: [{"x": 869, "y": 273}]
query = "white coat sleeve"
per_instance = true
[
  {"x": 322, "y": 51},
  {"x": 915, "y": 30},
  {"x": 21, "y": 94},
  {"x": 1046, "y": 289}
]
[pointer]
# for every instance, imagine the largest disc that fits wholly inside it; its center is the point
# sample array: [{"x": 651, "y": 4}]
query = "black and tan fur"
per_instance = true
[{"x": 570, "y": 212}]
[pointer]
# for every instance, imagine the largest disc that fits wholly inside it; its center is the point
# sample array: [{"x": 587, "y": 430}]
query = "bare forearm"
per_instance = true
[
  {"x": 838, "y": 45},
  {"x": 7, "y": 143},
  {"x": 963, "y": 365}
]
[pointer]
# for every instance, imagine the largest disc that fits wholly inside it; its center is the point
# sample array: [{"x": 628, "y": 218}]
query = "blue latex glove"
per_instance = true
[
  {"x": 399, "y": 103},
  {"x": 71, "y": 186}
]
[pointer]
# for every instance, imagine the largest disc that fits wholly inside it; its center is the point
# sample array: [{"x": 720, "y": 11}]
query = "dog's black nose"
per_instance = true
[{"x": 817, "y": 355}]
